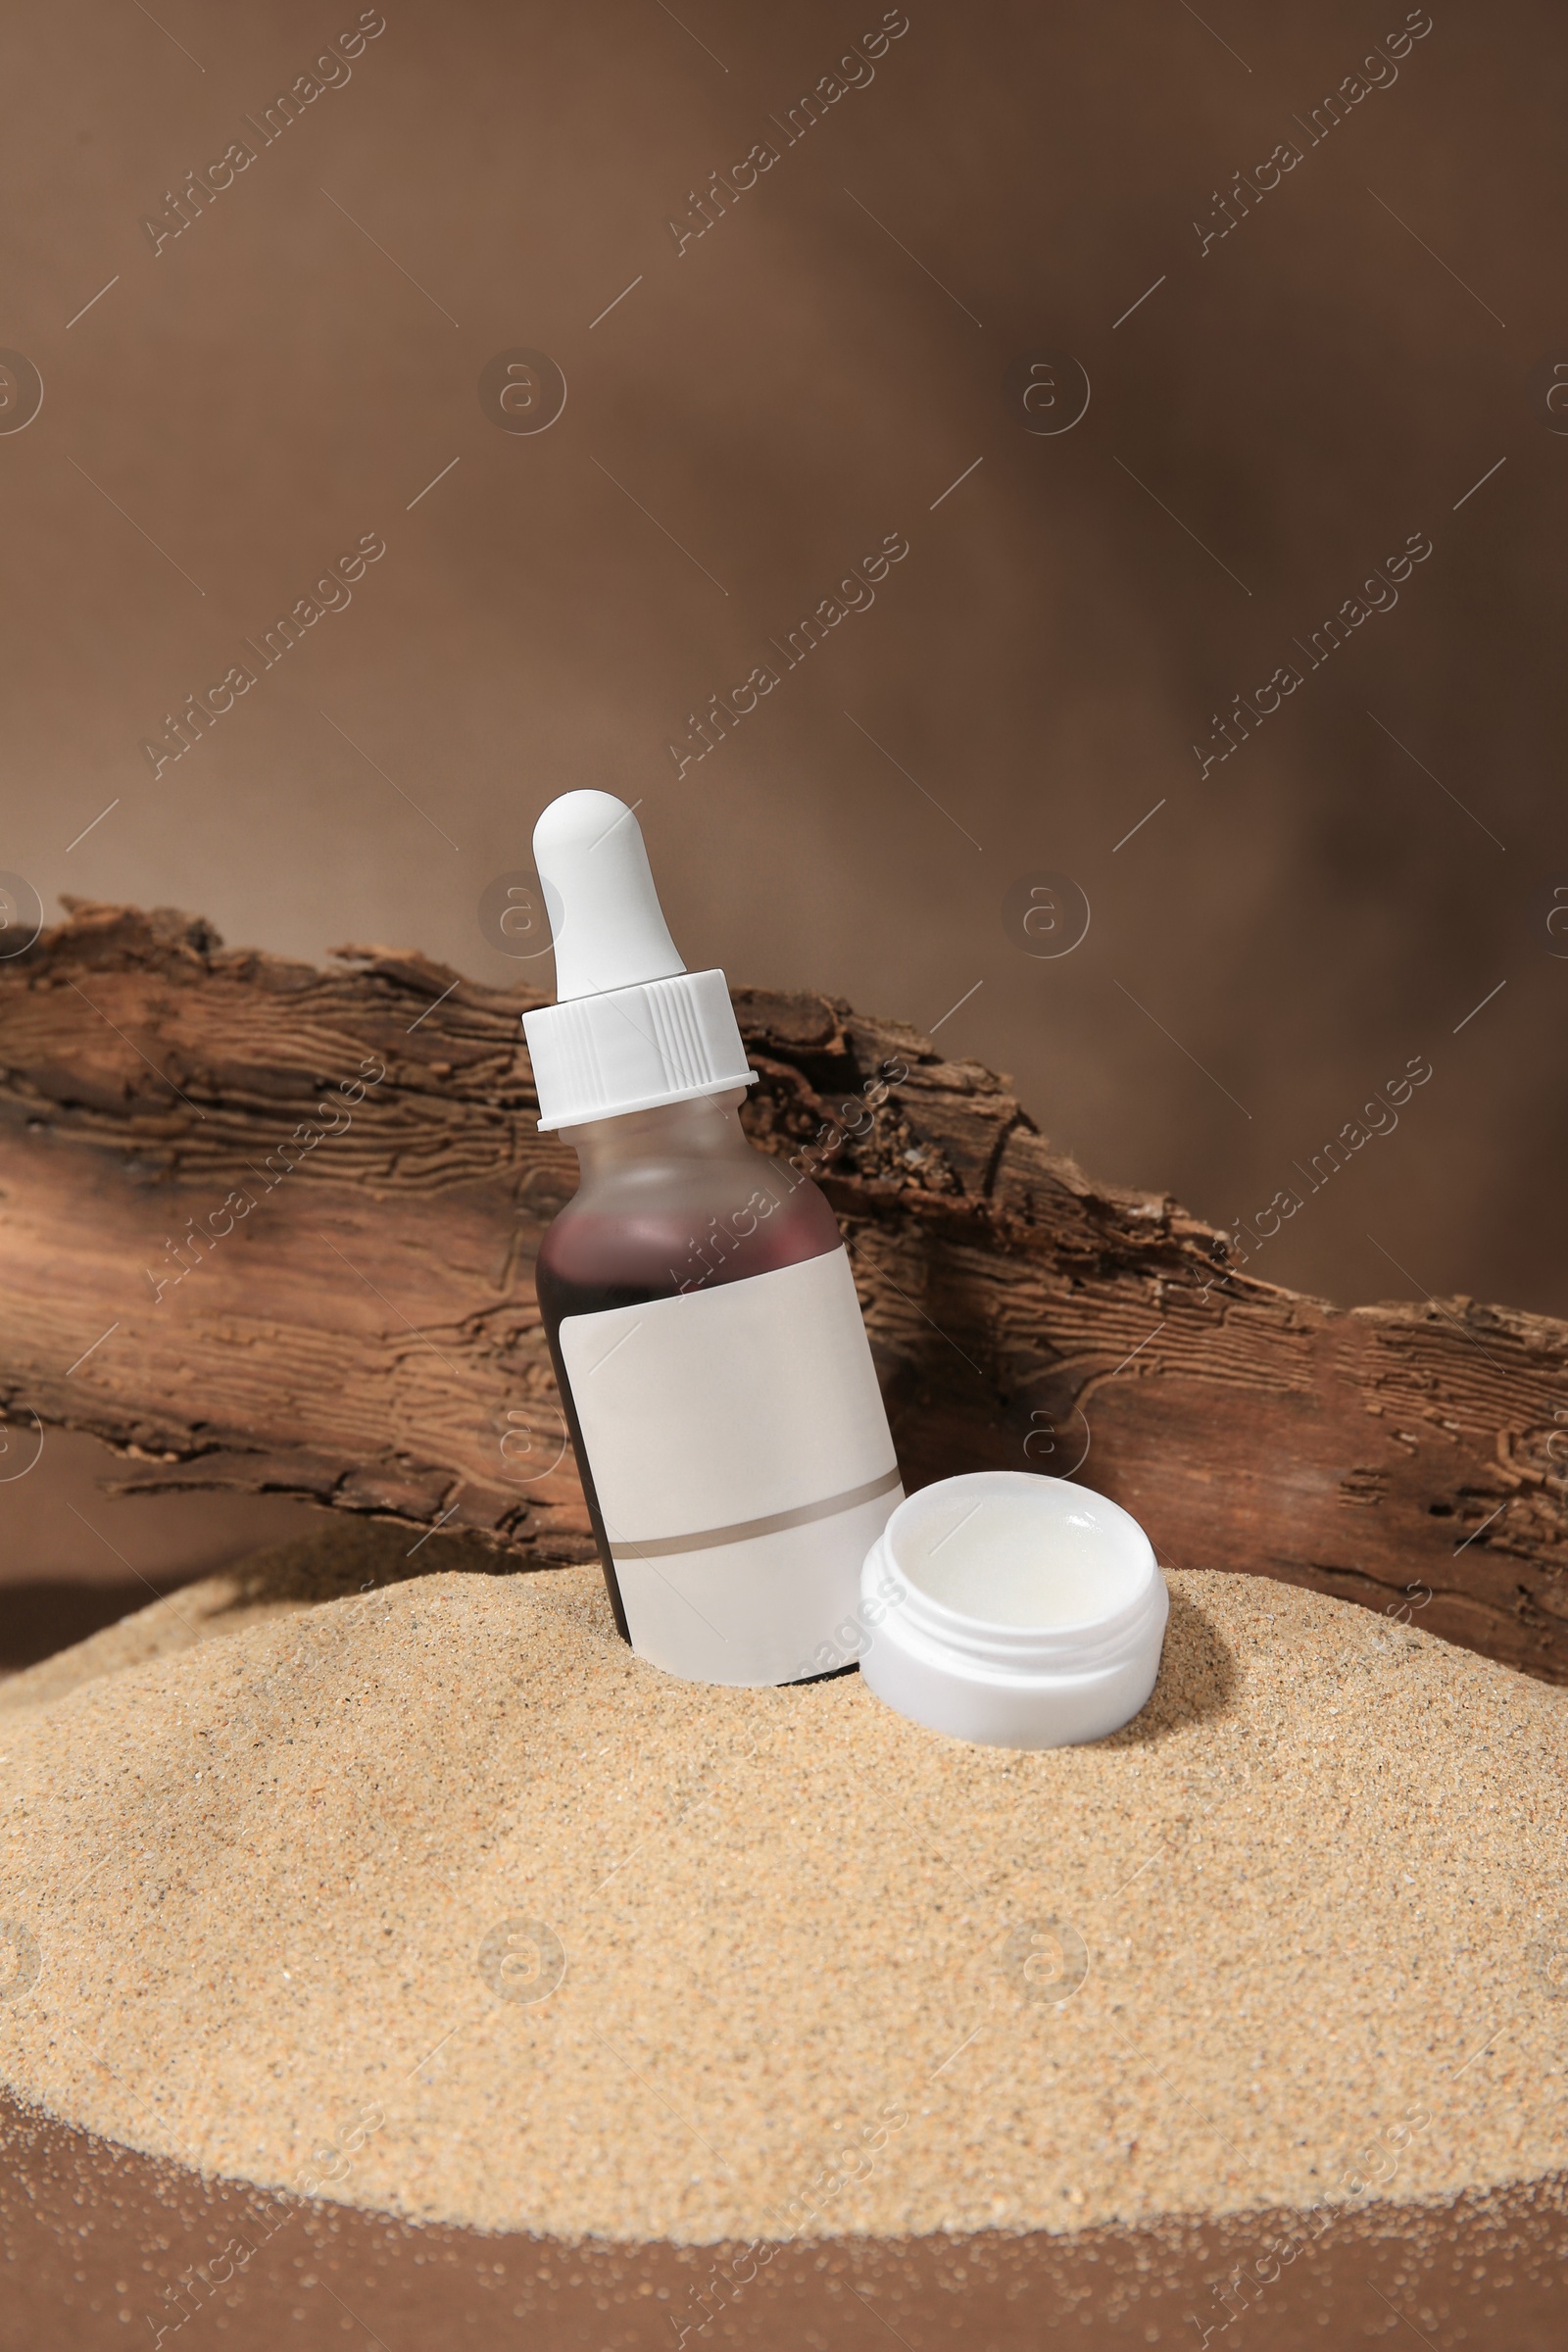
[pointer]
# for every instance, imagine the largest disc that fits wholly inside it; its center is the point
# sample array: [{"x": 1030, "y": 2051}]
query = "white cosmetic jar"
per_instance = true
[{"x": 1012, "y": 1610}]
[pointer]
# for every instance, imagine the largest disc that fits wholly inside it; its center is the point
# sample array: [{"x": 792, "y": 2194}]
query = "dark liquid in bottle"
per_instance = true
[{"x": 590, "y": 1261}]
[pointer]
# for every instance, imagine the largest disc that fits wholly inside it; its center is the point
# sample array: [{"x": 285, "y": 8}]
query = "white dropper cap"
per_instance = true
[{"x": 631, "y": 1027}]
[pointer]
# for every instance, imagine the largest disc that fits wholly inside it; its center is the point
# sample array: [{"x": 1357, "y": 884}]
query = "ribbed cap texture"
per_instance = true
[{"x": 631, "y": 1049}]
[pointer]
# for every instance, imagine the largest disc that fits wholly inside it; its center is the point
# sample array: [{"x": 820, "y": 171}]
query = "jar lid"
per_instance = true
[{"x": 1014, "y": 1610}]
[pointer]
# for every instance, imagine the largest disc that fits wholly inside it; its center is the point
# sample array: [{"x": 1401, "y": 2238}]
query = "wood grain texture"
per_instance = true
[{"x": 337, "y": 1180}]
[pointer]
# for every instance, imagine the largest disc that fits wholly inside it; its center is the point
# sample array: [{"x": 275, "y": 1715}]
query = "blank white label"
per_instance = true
[{"x": 740, "y": 1451}]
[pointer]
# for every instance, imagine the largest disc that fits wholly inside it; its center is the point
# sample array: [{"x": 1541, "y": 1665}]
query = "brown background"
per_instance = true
[{"x": 780, "y": 395}]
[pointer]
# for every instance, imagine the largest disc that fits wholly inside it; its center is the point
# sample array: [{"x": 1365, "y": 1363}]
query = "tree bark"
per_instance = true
[{"x": 270, "y": 1227}]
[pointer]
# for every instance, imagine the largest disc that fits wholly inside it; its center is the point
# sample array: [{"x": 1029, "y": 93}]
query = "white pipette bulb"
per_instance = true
[{"x": 605, "y": 917}]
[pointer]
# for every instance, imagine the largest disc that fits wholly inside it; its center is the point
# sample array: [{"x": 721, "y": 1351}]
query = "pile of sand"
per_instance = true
[{"x": 438, "y": 1898}]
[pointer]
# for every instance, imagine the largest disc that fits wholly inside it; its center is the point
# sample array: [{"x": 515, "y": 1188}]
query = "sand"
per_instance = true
[{"x": 434, "y": 1899}]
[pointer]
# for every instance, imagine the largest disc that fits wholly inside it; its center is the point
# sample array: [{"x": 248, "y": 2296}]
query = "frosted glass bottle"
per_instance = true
[{"x": 701, "y": 1316}]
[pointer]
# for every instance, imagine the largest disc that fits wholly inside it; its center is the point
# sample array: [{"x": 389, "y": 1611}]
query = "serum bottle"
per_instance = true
[{"x": 701, "y": 1316}]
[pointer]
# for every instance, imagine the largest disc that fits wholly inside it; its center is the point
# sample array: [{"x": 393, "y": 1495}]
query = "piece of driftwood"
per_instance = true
[{"x": 270, "y": 1227}]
